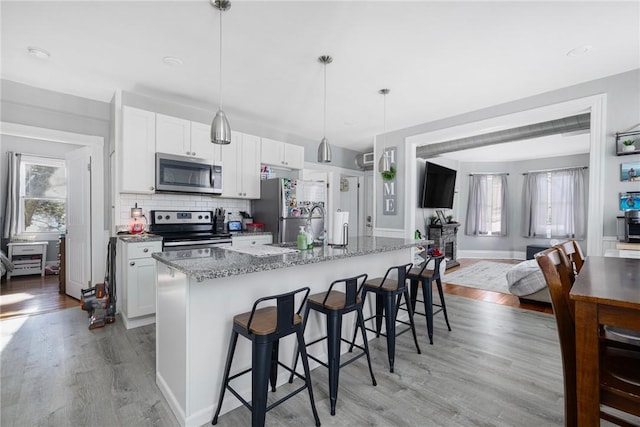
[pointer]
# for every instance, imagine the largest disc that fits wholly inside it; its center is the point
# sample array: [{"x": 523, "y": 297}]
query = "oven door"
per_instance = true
[{"x": 187, "y": 174}]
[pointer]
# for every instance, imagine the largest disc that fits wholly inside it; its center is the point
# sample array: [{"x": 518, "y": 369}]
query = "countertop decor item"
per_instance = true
[
  {"x": 628, "y": 145},
  {"x": 220, "y": 129},
  {"x": 324, "y": 149}
]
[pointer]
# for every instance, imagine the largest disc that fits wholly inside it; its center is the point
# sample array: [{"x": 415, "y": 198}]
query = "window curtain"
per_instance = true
[
  {"x": 554, "y": 204},
  {"x": 479, "y": 212},
  {"x": 13, "y": 195}
]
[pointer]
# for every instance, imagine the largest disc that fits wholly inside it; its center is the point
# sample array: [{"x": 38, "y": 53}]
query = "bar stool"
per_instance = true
[
  {"x": 334, "y": 304},
  {"x": 426, "y": 277},
  {"x": 264, "y": 327},
  {"x": 389, "y": 293}
]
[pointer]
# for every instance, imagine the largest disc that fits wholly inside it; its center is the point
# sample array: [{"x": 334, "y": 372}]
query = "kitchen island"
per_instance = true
[{"x": 200, "y": 290}]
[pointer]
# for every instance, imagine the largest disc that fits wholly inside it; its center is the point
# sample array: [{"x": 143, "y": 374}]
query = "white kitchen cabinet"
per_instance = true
[
  {"x": 173, "y": 135},
  {"x": 283, "y": 155},
  {"x": 137, "y": 284},
  {"x": 241, "y": 167},
  {"x": 137, "y": 150},
  {"x": 185, "y": 138},
  {"x": 201, "y": 145},
  {"x": 251, "y": 239}
]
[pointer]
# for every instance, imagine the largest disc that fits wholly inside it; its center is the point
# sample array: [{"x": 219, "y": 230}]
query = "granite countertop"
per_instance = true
[
  {"x": 212, "y": 263},
  {"x": 136, "y": 238}
]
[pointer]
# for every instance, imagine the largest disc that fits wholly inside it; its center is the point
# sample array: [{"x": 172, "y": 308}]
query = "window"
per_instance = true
[
  {"x": 43, "y": 192},
  {"x": 554, "y": 204},
  {"x": 487, "y": 207}
]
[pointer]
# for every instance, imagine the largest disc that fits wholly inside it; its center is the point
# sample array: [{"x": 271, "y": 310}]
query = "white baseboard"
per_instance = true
[{"x": 485, "y": 254}]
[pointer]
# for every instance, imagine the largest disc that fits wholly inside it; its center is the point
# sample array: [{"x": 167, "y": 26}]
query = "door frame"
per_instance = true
[
  {"x": 595, "y": 105},
  {"x": 98, "y": 235}
]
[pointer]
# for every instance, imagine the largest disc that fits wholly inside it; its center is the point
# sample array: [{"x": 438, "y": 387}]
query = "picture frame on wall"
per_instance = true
[
  {"x": 441, "y": 217},
  {"x": 630, "y": 171},
  {"x": 629, "y": 201}
]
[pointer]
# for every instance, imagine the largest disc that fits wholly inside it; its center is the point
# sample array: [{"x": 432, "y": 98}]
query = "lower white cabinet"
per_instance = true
[
  {"x": 249, "y": 240},
  {"x": 137, "y": 282}
]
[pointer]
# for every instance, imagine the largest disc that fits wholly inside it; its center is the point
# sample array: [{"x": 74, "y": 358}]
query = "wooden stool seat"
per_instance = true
[
  {"x": 264, "y": 322},
  {"x": 336, "y": 300},
  {"x": 382, "y": 284},
  {"x": 418, "y": 272}
]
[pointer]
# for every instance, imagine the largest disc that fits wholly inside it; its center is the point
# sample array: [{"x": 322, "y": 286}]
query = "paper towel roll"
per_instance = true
[{"x": 338, "y": 236}]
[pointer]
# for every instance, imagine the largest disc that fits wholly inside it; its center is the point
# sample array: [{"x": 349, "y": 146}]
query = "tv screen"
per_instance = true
[{"x": 438, "y": 186}]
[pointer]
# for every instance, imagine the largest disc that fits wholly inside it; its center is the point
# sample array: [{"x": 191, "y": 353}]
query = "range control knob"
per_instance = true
[
  {"x": 166, "y": 217},
  {"x": 159, "y": 216},
  {"x": 199, "y": 216}
]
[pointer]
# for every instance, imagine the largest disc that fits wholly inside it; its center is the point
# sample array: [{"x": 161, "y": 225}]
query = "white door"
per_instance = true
[{"x": 78, "y": 237}]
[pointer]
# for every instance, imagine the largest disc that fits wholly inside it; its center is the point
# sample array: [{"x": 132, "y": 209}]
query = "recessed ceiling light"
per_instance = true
[
  {"x": 172, "y": 61},
  {"x": 38, "y": 52},
  {"x": 580, "y": 50}
]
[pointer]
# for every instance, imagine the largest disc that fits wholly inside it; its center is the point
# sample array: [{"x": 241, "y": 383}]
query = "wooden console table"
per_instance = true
[{"x": 445, "y": 238}]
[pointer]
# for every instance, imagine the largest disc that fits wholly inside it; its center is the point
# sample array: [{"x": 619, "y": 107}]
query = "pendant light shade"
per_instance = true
[
  {"x": 324, "y": 149},
  {"x": 385, "y": 161},
  {"x": 220, "y": 129}
]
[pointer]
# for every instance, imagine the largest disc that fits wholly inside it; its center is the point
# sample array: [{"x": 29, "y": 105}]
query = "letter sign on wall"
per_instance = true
[{"x": 389, "y": 189}]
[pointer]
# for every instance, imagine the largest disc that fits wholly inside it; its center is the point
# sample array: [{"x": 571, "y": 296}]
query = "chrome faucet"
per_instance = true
[{"x": 313, "y": 208}]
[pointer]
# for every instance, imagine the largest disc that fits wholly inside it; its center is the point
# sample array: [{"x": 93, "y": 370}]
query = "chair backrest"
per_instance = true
[
  {"x": 352, "y": 287},
  {"x": 285, "y": 305},
  {"x": 554, "y": 266},
  {"x": 437, "y": 260},
  {"x": 401, "y": 273},
  {"x": 573, "y": 252}
]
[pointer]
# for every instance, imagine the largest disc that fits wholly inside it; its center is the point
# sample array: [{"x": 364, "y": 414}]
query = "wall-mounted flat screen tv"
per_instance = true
[{"x": 438, "y": 186}]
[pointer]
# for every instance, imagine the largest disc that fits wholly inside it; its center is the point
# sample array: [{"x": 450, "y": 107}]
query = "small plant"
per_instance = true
[
  {"x": 433, "y": 219},
  {"x": 628, "y": 142},
  {"x": 388, "y": 176},
  {"x": 449, "y": 219}
]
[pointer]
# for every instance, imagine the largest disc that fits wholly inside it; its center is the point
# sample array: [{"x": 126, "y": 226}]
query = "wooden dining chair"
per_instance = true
[{"x": 619, "y": 365}]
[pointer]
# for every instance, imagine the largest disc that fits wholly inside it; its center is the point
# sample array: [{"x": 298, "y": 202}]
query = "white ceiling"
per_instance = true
[{"x": 438, "y": 58}]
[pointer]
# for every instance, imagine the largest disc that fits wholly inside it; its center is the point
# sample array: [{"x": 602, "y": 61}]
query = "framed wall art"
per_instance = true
[{"x": 630, "y": 171}]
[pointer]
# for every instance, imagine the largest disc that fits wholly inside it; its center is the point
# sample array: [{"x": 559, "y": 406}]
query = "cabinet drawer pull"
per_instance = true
[
  {"x": 132, "y": 263},
  {"x": 145, "y": 250}
]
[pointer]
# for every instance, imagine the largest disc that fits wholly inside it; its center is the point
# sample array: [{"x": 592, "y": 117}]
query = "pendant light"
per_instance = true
[
  {"x": 385, "y": 161},
  {"x": 324, "y": 150},
  {"x": 220, "y": 129}
]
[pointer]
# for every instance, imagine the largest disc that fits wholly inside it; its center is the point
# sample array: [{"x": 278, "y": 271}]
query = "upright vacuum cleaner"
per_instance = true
[{"x": 100, "y": 300}]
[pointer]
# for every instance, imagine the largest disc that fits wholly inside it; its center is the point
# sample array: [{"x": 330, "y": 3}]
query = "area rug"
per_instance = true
[{"x": 487, "y": 275}]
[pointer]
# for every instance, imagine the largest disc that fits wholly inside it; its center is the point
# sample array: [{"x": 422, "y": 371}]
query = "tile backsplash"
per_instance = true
[{"x": 182, "y": 202}]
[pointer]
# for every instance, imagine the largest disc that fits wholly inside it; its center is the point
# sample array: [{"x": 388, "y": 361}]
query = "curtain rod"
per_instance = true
[
  {"x": 489, "y": 173},
  {"x": 558, "y": 169}
]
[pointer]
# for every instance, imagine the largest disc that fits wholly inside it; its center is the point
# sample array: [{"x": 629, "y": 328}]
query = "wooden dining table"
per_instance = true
[{"x": 606, "y": 292}]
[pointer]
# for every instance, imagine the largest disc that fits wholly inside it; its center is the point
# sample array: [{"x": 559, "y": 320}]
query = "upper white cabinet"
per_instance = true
[
  {"x": 136, "y": 153},
  {"x": 184, "y": 138},
  {"x": 283, "y": 155},
  {"x": 241, "y": 167}
]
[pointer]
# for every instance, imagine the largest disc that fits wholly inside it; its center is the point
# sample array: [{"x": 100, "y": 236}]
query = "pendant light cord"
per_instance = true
[
  {"x": 220, "y": 82},
  {"x": 324, "y": 126}
]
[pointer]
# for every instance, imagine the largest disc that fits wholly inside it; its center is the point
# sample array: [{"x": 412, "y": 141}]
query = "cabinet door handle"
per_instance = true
[
  {"x": 151, "y": 188},
  {"x": 193, "y": 153},
  {"x": 132, "y": 263},
  {"x": 145, "y": 250}
]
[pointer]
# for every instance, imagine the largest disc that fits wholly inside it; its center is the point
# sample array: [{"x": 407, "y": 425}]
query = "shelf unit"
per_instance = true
[
  {"x": 623, "y": 136},
  {"x": 27, "y": 258}
]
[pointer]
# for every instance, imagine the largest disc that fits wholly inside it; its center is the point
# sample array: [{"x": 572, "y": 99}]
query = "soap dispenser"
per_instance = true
[
  {"x": 302, "y": 239},
  {"x": 309, "y": 231}
]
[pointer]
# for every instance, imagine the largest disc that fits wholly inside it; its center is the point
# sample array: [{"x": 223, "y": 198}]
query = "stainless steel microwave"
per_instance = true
[{"x": 180, "y": 174}]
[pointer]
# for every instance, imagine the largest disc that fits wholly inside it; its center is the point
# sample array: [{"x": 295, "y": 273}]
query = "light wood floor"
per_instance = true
[
  {"x": 499, "y": 366},
  {"x": 33, "y": 294},
  {"x": 28, "y": 295}
]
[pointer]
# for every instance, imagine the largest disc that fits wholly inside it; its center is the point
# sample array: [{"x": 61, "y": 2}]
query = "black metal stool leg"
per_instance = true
[
  {"x": 227, "y": 368},
  {"x": 390, "y": 324},
  {"x": 442, "y": 303},
  {"x": 307, "y": 375},
  {"x": 427, "y": 296},
  {"x": 334, "y": 335},
  {"x": 360, "y": 325},
  {"x": 297, "y": 353},
  {"x": 261, "y": 364},
  {"x": 355, "y": 330},
  {"x": 411, "y": 321},
  {"x": 379, "y": 312},
  {"x": 273, "y": 376}
]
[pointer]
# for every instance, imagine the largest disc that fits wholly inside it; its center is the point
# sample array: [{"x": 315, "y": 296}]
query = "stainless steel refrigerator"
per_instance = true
[{"x": 285, "y": 205}]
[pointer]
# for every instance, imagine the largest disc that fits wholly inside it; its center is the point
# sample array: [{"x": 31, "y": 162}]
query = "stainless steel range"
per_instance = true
[{"x": 187, "y": 229}]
